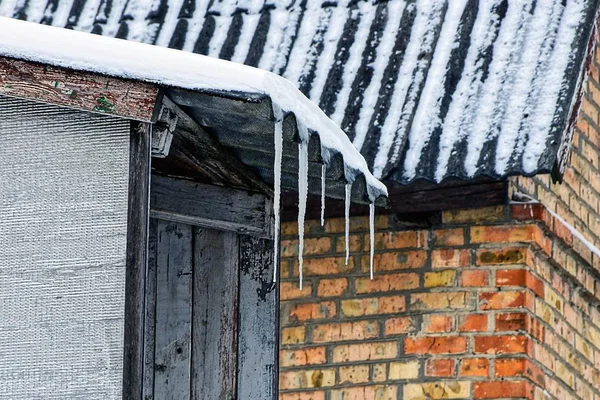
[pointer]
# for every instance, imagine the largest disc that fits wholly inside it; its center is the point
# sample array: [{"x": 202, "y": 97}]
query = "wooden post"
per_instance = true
[{"x": 136, "y": 258}]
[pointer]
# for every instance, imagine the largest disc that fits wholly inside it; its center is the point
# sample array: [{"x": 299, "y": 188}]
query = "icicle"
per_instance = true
[
  {"x": 418, "y": 239},
  {"x": 347, "y": 216},
  {"x": 278, "y": 140},
  {"x": 531, "y": 210},
  {"x": 302, "y": 195},
  {"x": 371, "y": 236},
  {"x": 323, "y": 170}
]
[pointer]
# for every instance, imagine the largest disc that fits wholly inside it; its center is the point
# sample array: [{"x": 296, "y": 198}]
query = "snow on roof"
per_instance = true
[
  {"x": 425, "y": 88},
  {"x": 168, "y": 67}
]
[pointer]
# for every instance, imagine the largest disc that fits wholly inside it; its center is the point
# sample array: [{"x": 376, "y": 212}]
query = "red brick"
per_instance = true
[
  {"x": 305, "y": 356},
  {"x": 509, "y": 344},
  {"x": 435, "y": 345},
  {"x": 500, "y": 390},
  {"x": 450, "y": 258},
  {"x": 436, "y": 323},
  {"x": 475, "y": 367},
  {"x": 449, "y": 237},
  {"x": 474, "y": 278},
  {"x": 524, "y": 212},
  {"x": 387, "y": 283},
  {"x": 534, "y": 284},
  {"x": 320, "y": 395},
  {"x": 510, "y": 277},
  {"x": 473, "y": 323},
  {"x": 511, "y": 322},
  {"x": 399, "y": 325},
  {"x": 502, "y": 234},
  {"x": 501, "y": 299},
  {"x": 509, "y": 367},
  {"x": 332, "y": 287},
  {"x": 440, "y": 367},
  {"x": 345, "y": 331},
  {"x": 308, "y": 311},
  {"x": 291, "y": 290}
]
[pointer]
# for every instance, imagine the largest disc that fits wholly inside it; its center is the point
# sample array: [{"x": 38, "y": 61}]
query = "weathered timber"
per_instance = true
[
  {"x": 80, "y": 90},
  {"x": 419, "y": 197},
  {"x": 196, "y": 154},
  {"x": 150, "y": 313},
  {"x": 173, "y": 311},
  {"x": 258, "y": 321},
  {"x": 211, "y": 206},
  {"x": 136, "y": 258},
  {"x": 215, "y": 308}
]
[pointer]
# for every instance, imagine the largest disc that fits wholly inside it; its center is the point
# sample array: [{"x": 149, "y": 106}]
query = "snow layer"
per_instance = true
[{"x": 94, "y": 53}]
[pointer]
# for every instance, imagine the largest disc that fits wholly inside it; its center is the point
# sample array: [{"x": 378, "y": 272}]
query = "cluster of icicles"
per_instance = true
[{"x": 303, "y": 194}]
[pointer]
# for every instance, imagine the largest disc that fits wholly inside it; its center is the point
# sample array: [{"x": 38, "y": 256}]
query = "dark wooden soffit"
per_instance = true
[
  {"x": 80, "y": 90},
  {"x": 418, "y": 197},
  {"x": 196, "y": 155}
]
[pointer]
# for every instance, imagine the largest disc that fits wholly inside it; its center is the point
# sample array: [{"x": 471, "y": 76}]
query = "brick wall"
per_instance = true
[{"x": 492, "y": 303}]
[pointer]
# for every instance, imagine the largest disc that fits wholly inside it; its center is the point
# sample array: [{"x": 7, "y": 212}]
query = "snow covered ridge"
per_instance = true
[{"x": 173, "y": 68}]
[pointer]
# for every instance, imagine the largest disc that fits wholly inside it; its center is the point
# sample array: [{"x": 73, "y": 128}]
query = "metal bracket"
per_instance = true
[{"x": 162, "y": 132}]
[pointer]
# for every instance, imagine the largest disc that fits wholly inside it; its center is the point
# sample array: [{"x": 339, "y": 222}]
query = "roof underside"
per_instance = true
[{"x": 425, "y": 89}]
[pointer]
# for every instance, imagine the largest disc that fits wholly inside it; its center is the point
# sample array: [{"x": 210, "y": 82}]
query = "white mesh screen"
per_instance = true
[{"x": 63, "y": 216}]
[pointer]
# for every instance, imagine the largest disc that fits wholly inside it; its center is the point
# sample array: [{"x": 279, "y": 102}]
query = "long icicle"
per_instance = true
[
  {"x": 371, "y": 237},
  {"x": 347, "y": 217},
  {"x": 302, "y": 195},
  {"x": 278, "y": 140},
  {"x": 323, "y": 171}
]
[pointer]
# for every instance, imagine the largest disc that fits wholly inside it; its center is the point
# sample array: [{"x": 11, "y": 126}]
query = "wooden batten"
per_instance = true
[
  {"x": 211, "y": 206},
  {"x": 79, "y": 90}
]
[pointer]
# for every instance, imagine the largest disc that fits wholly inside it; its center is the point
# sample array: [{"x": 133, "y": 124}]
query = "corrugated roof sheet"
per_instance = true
[{"x": 425, "y": 88}]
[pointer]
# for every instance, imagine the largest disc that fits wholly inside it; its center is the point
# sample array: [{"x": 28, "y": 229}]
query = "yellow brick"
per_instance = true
[
  {"x": 439, "y": 279},
  {"x": 379, "y": 372},
  {"x": 473, "y": 215},
  {"x": 404, "y": 370},
  {"x": 354, "y": 374},
  {"x": 437, "y": 390},
  {"x": 307, "y": 379},
  {"x": 293, "y": 335},
  {"x": 365, "y": 393},
  {"x": 365, "y": 352},
  {"x": 553, "y": 298}
]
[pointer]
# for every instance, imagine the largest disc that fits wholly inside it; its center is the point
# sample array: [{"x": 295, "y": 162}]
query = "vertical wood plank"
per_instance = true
[
  {"x": 173, "y": 311},
  {"x": 137, "y": 235},
  {"x": 214, "y": 354},
  {"x": 150, "y": 312},
  {"x": 258, "y": 321}
]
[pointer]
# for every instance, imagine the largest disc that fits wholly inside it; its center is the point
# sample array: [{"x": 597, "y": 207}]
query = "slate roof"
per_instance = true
[{"x": 425, "y": 88}]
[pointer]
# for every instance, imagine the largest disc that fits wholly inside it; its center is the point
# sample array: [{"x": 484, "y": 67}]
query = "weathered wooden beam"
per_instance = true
[
  {"x": 136, "y": 259},
  {"x": 258, "y": 343},
  {"x": 210, "y": 206},
  {"x": 80, "y": 90}
]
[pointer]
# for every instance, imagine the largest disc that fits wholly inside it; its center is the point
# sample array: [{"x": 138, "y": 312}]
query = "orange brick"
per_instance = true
[
  {"x": 291, "y": 290},
  {"x": 473, "y": 323},
  {"x": 293, "y": 335},
  {"x": 436, "y": 324},
  {"x": 322, "y": 245},
  {"x": 502, "y": 234},
  {"x": 308, "y": 311},
  {"x": 500, "y": 389},
  {"x": 305, "y": 356},
  {"x": 387, "y": 283},
  {"x": 512, "y": 255},
  {"x": 393, "y": 240},
  {"x": 399, "y": 325},
  {"x": 325, "y": 266},
  {"x": 511, "y": 322},
  {"x": 501, "y": 299},
  {"x": 332, "y": 287},
  {"x": 510, "y": 277},
  {"x": 354, "y": 374},
  {"x": 394, "y": 261},
  {"x": 345, "y": 331},
  {"x": 509, "y": 367},
  {"x": 474, "y": 278},
  {"x": 474, "y": 367},
  {"x": 440, "y": 367},
  {"x": 373, "y": 306},
  {"x": 510, "y": 344},
  {"x": 435, "y": 345},
  {"x": 450, "y": 258},
  {"x": 449, "y": 237},
  {"x": 320, "y": 395},
  {"x": 365, "y": 352}
]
